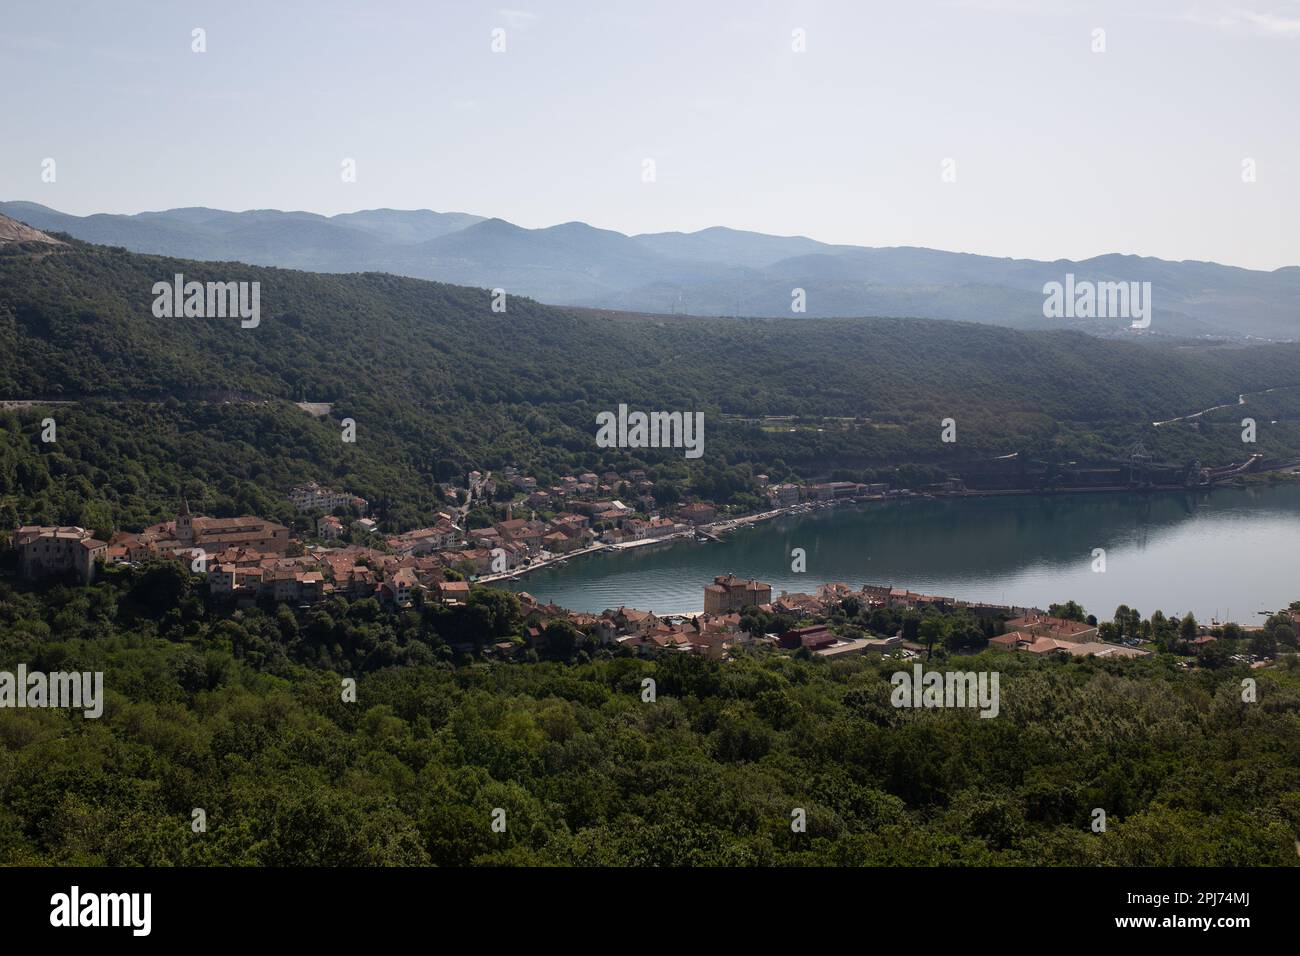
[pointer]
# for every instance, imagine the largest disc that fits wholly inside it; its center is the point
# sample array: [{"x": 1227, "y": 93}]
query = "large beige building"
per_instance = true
[
  {"x": 211, "y": 535},
  {"x": 730, "y": 593},
  {"x": 44, "y": 551}
]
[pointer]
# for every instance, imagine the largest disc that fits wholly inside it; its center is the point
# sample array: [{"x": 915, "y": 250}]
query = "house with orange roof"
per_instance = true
[{"x": 1056, "y": 628}]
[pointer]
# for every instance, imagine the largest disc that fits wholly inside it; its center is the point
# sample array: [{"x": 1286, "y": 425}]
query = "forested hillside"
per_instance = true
[
  {"x": 438, "y": 383},
  {"x": 79, "y": 321},
  {"x": 244, "y": 718},
  {"x": 715, "y": 271}
]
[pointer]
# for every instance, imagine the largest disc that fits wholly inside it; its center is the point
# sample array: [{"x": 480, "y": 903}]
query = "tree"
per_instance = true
[
  {"x": 933, "y": 629},
  {"x": 1070, "y": 611},
  {"x": 1284, "y": 634},
  {"x": 963, "y": 632},
  {"x": 1263, "y": 644},
  {"x": 1215, "y": 654},
  {"x": 740, "y": 736},
  {"x": 1127, "y": 621},
  {"x": 502, "y": 608},
  {"x": 160, "y": 585},
  {"x": 561, "y": 639}
]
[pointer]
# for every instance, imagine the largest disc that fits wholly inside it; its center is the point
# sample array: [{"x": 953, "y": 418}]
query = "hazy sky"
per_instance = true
[{"x": 1059, "y": 151}]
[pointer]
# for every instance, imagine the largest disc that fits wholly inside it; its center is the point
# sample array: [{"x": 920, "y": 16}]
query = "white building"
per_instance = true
[{"x": 312, "y": 497}]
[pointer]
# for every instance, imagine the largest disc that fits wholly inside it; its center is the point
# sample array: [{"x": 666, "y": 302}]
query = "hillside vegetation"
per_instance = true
[
  {"x": 438, "y": 383},
  {"x": 715, "y": 271},
  {"x": 244, "y": 718}
]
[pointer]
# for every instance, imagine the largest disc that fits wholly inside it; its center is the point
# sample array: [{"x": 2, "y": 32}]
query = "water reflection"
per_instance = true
[{"x": 1205, "y": 551}]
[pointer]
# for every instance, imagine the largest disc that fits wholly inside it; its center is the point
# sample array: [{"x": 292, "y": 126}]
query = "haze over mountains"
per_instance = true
[
  {"x": 440, "y": 384},
  {"x": 716, "y": 271}
]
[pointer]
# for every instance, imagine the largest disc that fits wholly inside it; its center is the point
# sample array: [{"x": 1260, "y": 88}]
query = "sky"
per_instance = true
[{"x": 985, "y": 126}]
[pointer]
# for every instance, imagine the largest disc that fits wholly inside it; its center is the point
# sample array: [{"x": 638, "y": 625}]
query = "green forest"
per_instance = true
[
  {"x": 439, "y": 384},
  {"x": 244, "y": 718}
]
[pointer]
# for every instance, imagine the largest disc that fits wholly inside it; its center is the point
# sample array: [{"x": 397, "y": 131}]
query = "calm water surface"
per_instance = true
[{"x": 1230, "y": 552}]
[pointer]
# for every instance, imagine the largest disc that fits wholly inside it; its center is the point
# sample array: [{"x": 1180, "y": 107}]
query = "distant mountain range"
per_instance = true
[{"x": 716, "y": 271}]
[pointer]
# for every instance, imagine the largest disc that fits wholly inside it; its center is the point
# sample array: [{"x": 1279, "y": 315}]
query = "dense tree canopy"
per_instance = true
[
  {"x": 438, "y": 384},
  {"x": 243, "y": 717}
]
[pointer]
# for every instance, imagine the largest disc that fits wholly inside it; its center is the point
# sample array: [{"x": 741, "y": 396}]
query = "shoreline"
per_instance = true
[{"x": 716, "y": 529}]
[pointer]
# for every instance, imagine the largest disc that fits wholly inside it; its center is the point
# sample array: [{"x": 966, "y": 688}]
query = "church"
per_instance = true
[{"x": 213, "y": 535}]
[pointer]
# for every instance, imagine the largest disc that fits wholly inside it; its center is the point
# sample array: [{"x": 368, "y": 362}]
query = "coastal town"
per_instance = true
[
  {"x": 624, "y": 439},
  {"x": 340, "y": 551}
]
